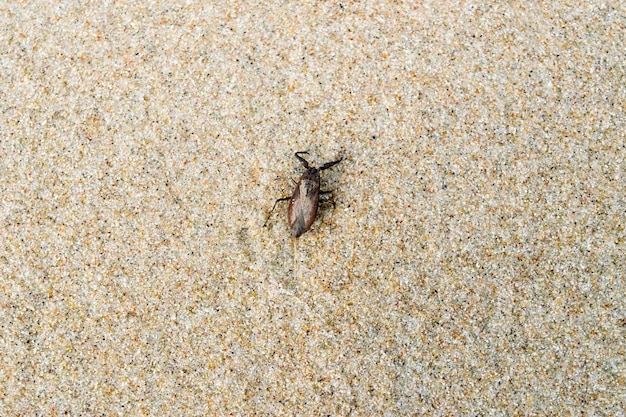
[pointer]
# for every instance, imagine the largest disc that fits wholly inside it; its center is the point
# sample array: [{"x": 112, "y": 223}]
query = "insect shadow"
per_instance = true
[{"x": 304, "y": 201}]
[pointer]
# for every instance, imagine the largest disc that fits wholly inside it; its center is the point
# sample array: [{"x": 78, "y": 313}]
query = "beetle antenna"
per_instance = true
[
  {"x": 330, "y": 164},
  {"x": 304, "y": 161}
]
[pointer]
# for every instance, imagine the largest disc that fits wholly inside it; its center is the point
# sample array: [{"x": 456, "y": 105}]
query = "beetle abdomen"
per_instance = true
[{"x": 303, "y": 204}]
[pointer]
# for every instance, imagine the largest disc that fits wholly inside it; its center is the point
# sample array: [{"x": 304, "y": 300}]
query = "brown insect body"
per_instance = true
[
  {"x": 303, "y": 202},
  {"x": 305, "y": 198}
]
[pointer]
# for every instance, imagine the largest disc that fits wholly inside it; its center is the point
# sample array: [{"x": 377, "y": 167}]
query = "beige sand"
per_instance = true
[{"x": 473, "y": 263}]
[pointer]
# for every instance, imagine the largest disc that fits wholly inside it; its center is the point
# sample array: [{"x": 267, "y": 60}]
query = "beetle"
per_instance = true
[{"x": 305, "y": 198}]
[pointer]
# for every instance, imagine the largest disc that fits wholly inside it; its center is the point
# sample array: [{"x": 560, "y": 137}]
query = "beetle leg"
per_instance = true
[
  {"x": 276, "y": 202},
  {"x": 331, "y": 200},
  {"x": 324, "y": 202}
]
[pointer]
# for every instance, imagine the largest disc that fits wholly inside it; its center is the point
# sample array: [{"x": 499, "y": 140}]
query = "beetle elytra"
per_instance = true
[{"x": 305, "y": 198}]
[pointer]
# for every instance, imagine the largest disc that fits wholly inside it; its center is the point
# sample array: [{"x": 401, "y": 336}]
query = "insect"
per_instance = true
[{"x": 305, "y": 198}]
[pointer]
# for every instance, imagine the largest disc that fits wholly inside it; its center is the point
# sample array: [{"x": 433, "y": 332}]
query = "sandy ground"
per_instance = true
[{"x": 473, "y": 261}]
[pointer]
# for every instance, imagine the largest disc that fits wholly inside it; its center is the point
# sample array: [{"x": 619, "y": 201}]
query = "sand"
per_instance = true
[{"x": 470, "y": 261}]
